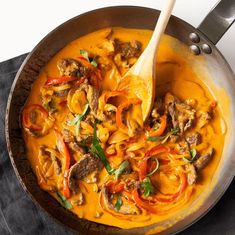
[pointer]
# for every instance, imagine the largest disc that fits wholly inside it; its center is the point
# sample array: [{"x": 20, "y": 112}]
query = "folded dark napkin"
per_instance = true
[{"x": 20, "y": 216}]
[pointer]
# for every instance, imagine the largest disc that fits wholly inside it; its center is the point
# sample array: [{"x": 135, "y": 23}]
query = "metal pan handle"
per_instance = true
[{"x": 218, "y": 20}]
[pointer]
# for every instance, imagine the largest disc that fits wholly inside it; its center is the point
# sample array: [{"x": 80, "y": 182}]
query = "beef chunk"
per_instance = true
[
  {"x": 127, "y": 49},
  {"x": 71, "y": 67},
  {"x": 204, "y": 118},
  {"x": 76, "y": 148},
  {"x": 126, "y": 209},
  {"x": 203, "y": 160},
  {"x": 183, "y": 148},
  {"x": 92, "y": 96},
  {"x": 81, "y": 169},
  {"x": 182, "y": 114},
  {"x": 192, "y": 174},
  {"x": 194, "y": 139},
  {"x": 157, "y": 109},
  {"x": 68, "y": 136},
  {"x": 62, "y": 93}
]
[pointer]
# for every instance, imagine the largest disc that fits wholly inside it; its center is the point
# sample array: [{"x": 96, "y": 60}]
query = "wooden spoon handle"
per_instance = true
[
  {"x": 149, "y": 53},
  {"x": 161, "y": 24}
]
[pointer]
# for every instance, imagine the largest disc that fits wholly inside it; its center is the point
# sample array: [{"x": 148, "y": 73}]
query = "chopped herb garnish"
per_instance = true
[
  {"x": 117, "y": 172},
  {"x": 193, "y": 155},
  {"x": 147, "y": 186},
  {"x": 78, "y": 118},
  {"x": 63, "y": 201},
  {"x": 85, "y": 54},
  {"x": 51, "y": 106},
  {"x": 94, "y": 63},
  {"x": 118, "y": 204},
  {"x": 173, "y": 131},
  {"x": 99, "y": 152},
  {"x": 155, "y": 138}
]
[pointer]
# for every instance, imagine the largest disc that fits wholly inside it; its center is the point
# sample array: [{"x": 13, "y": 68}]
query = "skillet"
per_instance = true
[{"x": 207, "y": 60}]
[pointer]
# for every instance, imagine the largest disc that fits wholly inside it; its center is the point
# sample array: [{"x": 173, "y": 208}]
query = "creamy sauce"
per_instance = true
[{"x": 174, "y": 74}]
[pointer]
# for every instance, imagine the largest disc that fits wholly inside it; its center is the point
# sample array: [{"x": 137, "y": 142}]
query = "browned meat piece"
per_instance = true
[
  {"x": 192, "y": 174},
  {"x": 81, "y": 169},
  {"x": 68, "y": 136},
  {"x": 127, "y": 49},
  {"x": 84, "y": 140},
  {"x": 126, "y": 209},
  {"x": 127, "y": 170},
  {"x": 76, "y": 148},
  {"x": 202, "y": 161},
  {"x": 71, "y": 67},
  {"x": 183, "y": 148},
  {"x": 77, "y": 145},
  {"x": 132, "y": 184},
  {"x": 174, "y": 138},
  {"x": 89, "y": 119},
  {"x": 92, "y": 178},
  {"x": 158, "y": 109},
  {"x": 194, "y": 139},
  {"x": 204, "y": 118},
  {"x": 92, "y": 96},
  {"x": 62, "y": 93},
  {"x": 182, "y": 115}
]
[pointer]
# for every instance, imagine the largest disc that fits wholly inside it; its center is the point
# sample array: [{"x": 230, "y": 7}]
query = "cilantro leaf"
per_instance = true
[
  {"x": 51, "y": 106},
  {"x": 117, "y": 172},
  {"x": 173, "y": 131},
  {"x": 78, "y": 118},
  {"x": 118, "y": 204},
  {"x": 155, "y": 138},
  {"x": 193, "y": 155},
  {"x": 147, "y": 186},
  {"x": 99, "y": 152},
  {"x": 63, "y": 201},
  {"x": 85, "y": 54}
]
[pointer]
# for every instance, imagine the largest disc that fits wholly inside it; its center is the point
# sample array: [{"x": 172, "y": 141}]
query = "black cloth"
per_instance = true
[{"x": 20, "y": 216}]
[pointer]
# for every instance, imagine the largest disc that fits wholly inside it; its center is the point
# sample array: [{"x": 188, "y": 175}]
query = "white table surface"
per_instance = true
[{"x": 23, "y": 23}]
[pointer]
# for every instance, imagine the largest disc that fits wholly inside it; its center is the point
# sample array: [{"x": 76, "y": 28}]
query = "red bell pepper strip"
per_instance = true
[
  {"x": 156, "y": 150},
  {"x": 143, "y": 169},
  {"x": 27, "y": 123},
  {"x": 115, "y": 186},
  {"x": 122, "y": 107},
  {"x": 63, "y": 102},
  {"x": 80, "y": 81},
  {"x": 152, "y": 152},
  {"x": 65, "y": 153},
  {"x": 140, "y": 203},
  {"x": 161, "y": 129},
  {"x": 59, "y": 80}
]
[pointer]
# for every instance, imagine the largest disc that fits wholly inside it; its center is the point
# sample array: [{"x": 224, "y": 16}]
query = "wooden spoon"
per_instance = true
[{"x": 139, "y": 81}]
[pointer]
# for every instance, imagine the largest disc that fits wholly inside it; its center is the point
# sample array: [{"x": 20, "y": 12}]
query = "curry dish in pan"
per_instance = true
[{"x": 88, "y": 144}]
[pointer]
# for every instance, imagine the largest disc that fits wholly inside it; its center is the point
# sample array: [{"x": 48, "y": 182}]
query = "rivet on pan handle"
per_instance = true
[{"x": 218, "y": 20}]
